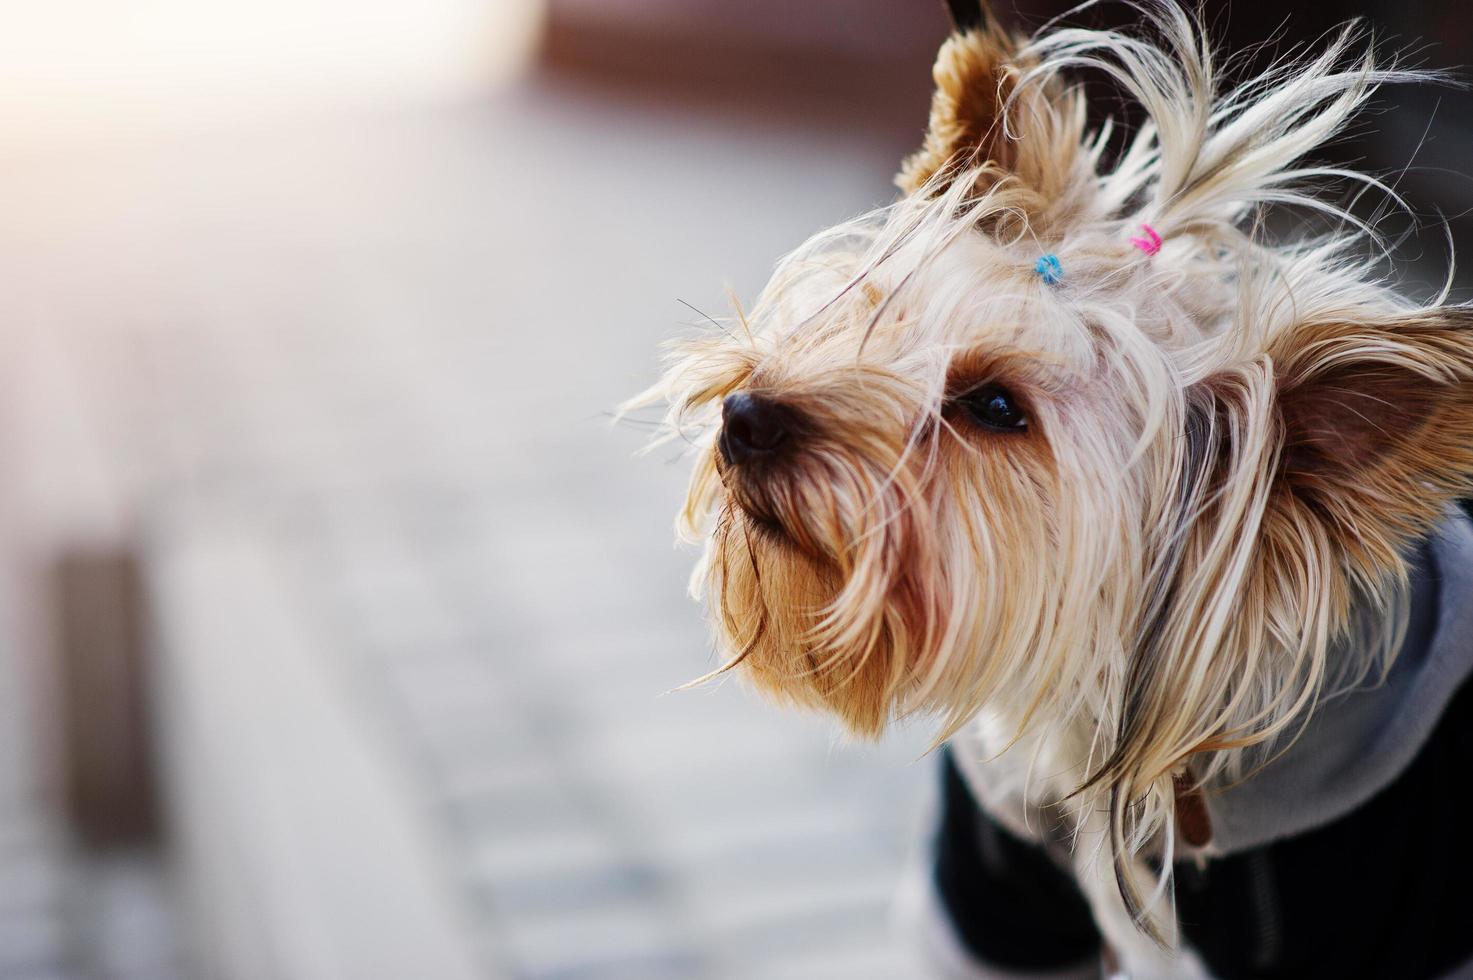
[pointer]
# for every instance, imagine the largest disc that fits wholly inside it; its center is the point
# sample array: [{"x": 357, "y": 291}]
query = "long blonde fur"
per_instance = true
[{"x": 1188, "y": 548}]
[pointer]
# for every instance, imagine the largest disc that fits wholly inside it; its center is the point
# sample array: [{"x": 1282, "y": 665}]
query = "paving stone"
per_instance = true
[
  {"x": 492, "y": 741},
  {"x": 550, "y": 891},
  {"x": 658, "y": 966},
  {"x": 443, "y": 687},
  {"x": 614, "y": 939},
  {"x": 132, "y": 926},
  {"x": 544, "y": 852},
  {"x": 755, "y": 903},
  {"x": 493, "y": 814},
  {"x": 464, "y": 776},
  {"x": 855, "y": 957},
  {"x": 30, "y": 879},
  {"x": 32, "y": 941}
]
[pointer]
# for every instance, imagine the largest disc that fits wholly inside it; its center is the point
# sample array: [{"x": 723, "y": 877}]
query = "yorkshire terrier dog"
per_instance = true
[{"x": 1148, "y": 509}]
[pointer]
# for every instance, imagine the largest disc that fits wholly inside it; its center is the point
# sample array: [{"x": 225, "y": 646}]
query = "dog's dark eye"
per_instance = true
[{"x": 993, "y": 407}]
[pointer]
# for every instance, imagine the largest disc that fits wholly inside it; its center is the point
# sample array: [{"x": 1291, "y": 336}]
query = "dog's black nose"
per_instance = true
[{"x": 752, "y": 426}]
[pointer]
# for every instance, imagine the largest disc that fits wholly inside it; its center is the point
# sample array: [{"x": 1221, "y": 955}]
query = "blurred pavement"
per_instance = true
[{"x": 381, "y": 347}]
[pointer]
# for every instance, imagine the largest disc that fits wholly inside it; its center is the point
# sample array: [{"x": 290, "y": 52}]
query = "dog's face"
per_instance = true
[
  {"x": 1135, "y": 489},
  {"x": 924, "y": 480}
]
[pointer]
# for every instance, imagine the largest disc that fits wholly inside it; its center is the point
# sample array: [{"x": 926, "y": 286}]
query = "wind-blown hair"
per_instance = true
[{"x": 1231, "y": 444}]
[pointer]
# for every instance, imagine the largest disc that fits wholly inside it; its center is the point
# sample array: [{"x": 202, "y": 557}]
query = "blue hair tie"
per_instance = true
[{"x": 1049, "y": 269}]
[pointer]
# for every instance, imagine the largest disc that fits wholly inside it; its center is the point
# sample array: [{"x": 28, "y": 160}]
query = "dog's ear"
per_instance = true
[
  {"x": 1312, "y": 467},
  {"x": 983, "y": 114},
  {"x": 967, "y": 14},
  {"x": 1376, "y": 418}
]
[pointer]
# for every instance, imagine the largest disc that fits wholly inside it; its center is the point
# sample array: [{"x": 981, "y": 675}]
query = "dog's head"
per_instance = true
[{"x": 1073, "y": 439}]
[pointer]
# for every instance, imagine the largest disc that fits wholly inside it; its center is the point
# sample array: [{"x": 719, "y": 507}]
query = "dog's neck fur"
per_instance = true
[{"x": 1353, "y": 745}]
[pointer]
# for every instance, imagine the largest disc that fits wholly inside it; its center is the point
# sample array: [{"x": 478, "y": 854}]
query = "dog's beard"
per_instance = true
[{"x": 816, "y": 578}]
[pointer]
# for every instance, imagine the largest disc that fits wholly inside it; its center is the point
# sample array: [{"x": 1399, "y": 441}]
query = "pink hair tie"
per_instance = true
[{"x": 1151, "y": 244}]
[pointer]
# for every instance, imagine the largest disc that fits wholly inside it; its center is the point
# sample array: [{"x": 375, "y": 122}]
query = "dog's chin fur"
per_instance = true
[
  {"x": 778, "y": 641},
  {"x": 813, "y": 569},
  {"x": 1230, "y": 444}
]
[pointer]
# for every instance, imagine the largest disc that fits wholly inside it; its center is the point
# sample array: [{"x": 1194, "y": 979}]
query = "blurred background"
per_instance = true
[{"x": 335, "y": 619}]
